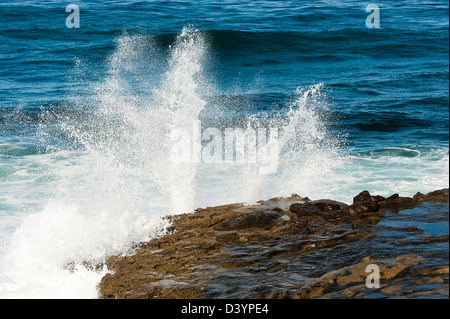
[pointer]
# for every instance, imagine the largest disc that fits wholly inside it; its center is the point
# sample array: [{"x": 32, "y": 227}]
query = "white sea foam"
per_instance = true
[{"x": 113, "y": 192}]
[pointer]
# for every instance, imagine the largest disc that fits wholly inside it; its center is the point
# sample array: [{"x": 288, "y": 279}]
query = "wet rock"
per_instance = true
[
  {"x": 261, "y": 219},
  {"x": 391, "y": 198},
  {"x": 302, "y": 209},
  {"x": 365, "y": 196},
  {"x": 430, "y": 272},
  {"x": 289, "y": 248},
  {"x": 395, "y": 203},
  {"x": 325, "y": 208},
  {"x": 350, "y": 281},
  {"x": 292, "y": 197},
  {"x": 435, "y": 196},
  {"x": 361, "y": 208},
  {"x": 406, "y": 229}
]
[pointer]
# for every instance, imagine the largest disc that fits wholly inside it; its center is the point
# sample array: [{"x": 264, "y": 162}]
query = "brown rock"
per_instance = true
[
  {"x": 361, "y": 208},
  {"x": 325, "y": 208},
  {"x": 261, "y": 219},
  {"x": 365, "y": 196},
  {"x": 435, "y": 196},
  {"x": 258, "y": 252}
]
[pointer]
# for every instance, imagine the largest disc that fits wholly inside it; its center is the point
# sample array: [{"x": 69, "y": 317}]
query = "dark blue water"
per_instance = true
[
  {"x": 386, "y": 92},
  {"x": 389, "y": 84}
]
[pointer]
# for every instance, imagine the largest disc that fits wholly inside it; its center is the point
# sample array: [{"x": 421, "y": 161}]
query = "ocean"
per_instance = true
[{"x": 122, "y": 112}]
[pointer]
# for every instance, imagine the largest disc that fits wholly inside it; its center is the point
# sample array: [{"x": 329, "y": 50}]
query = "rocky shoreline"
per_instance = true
[{"x": 293, "y": 248}]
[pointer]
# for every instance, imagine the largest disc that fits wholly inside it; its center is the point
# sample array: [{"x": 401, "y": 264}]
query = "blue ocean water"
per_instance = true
[{"x": 84, "y": 116}]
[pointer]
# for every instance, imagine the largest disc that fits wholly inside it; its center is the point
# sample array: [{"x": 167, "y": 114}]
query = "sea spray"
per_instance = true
[
  {"x": 113, "y": 184},
  {"x": 310, "y": 153},
  {"x": 180, "y": 105},
  {"x": 289, "y": 151},
  {"x": 115, "y": 179}
]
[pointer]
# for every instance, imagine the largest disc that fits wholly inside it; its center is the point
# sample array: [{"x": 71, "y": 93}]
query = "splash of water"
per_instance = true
[
  {"x": 180, "y": 106},
  {"x": 310, "y": 154},
  {"x": 114, "y": 182}
]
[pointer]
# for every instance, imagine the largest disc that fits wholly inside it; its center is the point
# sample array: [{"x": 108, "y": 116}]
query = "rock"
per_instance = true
[
  {"x": 361, "y": 208},
  {"x": 302, "y": 209},
  {"x": 328, "y": 206},
  {"x": 407, "y": 229},
  {"x": 325, "y": 208},
  {"x": 430, "y": 272},
  {"x": 314, "y": 250},
  {"x": 391, "y": 198},
  {"x": 365, "y": 196},
  {"x": 435, "y": 196},
  {"x": 395, "y": 202},
  {"x": 261, "y": 219}
]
